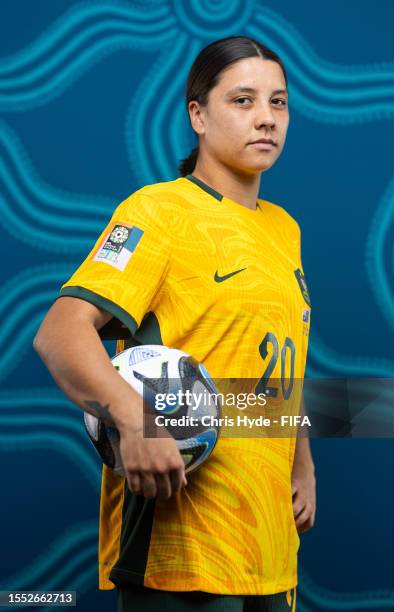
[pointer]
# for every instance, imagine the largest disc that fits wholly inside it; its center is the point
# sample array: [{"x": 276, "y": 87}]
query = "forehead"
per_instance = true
[{"x": 254, "y": 72}]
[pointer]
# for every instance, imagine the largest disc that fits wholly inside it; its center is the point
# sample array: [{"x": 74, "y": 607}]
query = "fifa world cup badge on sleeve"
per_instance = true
[{"x": 118, "y": 245}]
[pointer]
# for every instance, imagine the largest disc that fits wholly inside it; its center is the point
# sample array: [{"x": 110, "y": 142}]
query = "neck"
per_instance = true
[{"x": 243, "y": 189}]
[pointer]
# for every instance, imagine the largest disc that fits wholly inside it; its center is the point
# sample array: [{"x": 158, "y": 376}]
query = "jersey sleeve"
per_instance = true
[{"x": 127, "y": 266}]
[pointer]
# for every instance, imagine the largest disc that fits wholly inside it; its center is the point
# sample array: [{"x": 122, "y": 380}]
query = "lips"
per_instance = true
[
  {"x": 263, "y": 145},
  {"x": 264, "y": 140}
]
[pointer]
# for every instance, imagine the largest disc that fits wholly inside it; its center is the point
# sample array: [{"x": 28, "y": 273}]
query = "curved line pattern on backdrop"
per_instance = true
[
  {"x": 53, "y": 74},
  {"x": 206, "y": 19},
  {"x": 77, "y": 41},
  {"x": 24, "y": 298},
  {"x": 151, "y": 128},
  {"x": 60, "y": 561},
  {"x": 35, "y": 213},
  {"x": 378, "y": 243},
  {"x": 325, "y": 599},
  {"x": 326, "y": 358},
  {"x": 38, "y": 214},
  {"x": 28, "y": 421}
]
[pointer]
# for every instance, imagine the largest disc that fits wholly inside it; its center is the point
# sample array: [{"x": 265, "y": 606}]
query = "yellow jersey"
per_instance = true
[{"x": 180, "y": 264}]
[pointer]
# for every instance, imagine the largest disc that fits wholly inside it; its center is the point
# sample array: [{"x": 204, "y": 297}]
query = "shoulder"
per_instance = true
[
  {"x": 155, "y": 199},
  {"x": 161, "y": 190},
  {"x": 280, "y": 214},
  {"x": 150, "y": 206}
]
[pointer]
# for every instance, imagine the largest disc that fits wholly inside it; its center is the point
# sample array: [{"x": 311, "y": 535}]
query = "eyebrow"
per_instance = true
[{"x": 240, "y": 88}]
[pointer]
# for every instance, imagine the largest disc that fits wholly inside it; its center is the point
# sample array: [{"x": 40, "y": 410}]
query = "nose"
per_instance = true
[{"x": 264, "y": 116}]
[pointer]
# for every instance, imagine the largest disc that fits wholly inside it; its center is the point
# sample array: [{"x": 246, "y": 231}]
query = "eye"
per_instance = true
[
  {"x": 243, "y": 98},
  {"x": 281, "y": 100}
]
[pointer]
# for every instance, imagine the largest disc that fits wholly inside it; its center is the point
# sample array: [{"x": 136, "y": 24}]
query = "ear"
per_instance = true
[{"x": 196, "y": 114}]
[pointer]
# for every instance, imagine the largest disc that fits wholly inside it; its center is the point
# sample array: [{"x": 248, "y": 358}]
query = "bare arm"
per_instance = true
[
  {"x": 303, "y": 483},
  {"x": 69, "y": 344}
]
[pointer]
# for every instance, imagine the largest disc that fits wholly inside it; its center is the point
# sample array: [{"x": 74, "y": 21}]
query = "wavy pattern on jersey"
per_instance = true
[
  {"x": 23, "y": 302},
  {"x": 60, "y": 565},
  {"x": 35, "y": 213},
  {"x": 77, "y": 41},
  {"x": 221, "y": 503},
  {"x": 44, "y": 418}
]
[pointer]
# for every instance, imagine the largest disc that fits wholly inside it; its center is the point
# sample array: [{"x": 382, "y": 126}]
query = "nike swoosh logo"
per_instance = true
[{"x": 220, "y": 279}]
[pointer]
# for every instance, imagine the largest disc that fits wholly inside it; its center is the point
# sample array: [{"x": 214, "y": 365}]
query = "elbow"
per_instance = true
[
  {"x": 40, "y": 344},
  {"x": 37, "y": 343},
  {"x": 42, "y": 347},
  {"x": 48, "y": 334},
  {"x": 42, "y": 339}
]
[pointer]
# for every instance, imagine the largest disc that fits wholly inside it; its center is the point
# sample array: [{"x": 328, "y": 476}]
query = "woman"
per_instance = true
[{"x": 201, "y": 264}]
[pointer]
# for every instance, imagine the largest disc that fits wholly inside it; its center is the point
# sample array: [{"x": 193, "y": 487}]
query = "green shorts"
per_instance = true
[{"x": 132, "y": 598}]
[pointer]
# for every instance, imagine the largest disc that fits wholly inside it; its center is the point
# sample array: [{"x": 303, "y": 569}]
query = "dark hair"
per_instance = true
[{"x": 205, "y": 72}]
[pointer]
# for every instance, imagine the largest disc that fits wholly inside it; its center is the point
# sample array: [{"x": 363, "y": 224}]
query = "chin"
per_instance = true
[
  {"x": 250, "y": 169},
  {"x": 262, "y": 164},
  {"x": 262, "y": 167}
]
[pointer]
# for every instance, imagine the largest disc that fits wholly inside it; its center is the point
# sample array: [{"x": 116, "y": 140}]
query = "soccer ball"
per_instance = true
[{"x": 176, "y": 387}]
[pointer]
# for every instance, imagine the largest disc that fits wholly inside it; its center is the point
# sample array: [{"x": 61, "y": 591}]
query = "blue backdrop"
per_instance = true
[{"x": 92, "y": 108}]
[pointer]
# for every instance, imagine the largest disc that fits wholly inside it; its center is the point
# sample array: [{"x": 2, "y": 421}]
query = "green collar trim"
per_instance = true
[
  {"x": 204, "y": 186},
  {"x": 208, "y": 189}
]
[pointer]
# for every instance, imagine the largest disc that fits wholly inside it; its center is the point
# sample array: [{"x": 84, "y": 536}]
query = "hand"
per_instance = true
[
  {"x": 153, "y": 466},
  {"x": 304, "y": 495}
]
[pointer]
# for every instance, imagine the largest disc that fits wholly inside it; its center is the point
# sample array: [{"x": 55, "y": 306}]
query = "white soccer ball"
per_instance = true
[{"x": 178, "y": 390}]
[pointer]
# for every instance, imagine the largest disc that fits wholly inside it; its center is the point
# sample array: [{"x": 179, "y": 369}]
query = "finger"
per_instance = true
[
  {"x": 134, "y": 482},
  {"x": 294, "y": 488},
  {"x": 163, "y": 486},
  {"x": 303, "y": 517},
  {"x": 310, "y": 521},
  {"x": 305, "y": 526},
  {"x": 148, "y": 485},
  {"x": 178, "y": 480},
  {"x": 298, "y": 507}
]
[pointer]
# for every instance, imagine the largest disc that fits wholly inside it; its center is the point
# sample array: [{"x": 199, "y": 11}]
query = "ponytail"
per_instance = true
[{"x": 188, "y": 164}]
